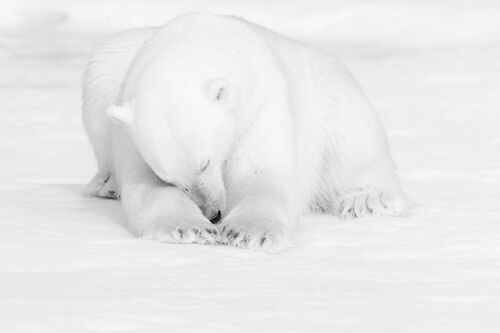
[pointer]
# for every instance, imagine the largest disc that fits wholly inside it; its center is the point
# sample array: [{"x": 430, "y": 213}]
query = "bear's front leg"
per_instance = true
[
  {"x": 153, "y": 208},
  {"x": 264, "y": 217}
]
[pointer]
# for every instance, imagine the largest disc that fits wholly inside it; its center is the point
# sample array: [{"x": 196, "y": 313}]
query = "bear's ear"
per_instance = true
[
  {"x": 217, "y": 89},
  {"x": 121, "y": 114}
]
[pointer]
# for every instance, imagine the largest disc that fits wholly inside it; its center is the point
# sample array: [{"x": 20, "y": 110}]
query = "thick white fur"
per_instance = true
[{"x": 285, "y": 126}]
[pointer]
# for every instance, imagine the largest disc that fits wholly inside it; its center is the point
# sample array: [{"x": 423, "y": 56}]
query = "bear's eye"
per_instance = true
[
  {"x": 204, "y": 166},
  {"x": 185, "y": 189}
]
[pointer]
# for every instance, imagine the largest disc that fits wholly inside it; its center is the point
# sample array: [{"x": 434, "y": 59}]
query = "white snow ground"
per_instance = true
[{"x": 430, "y": 67}]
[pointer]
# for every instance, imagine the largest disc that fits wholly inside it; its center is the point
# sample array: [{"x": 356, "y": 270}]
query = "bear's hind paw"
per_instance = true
[{"x": 378, "y": 203}]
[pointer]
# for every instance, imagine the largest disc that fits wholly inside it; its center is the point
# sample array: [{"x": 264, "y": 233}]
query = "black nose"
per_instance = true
[{"x": 216, "y": 219}]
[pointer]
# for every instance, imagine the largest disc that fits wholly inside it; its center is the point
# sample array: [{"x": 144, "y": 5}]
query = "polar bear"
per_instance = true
[{"x": 212, "y": 129}]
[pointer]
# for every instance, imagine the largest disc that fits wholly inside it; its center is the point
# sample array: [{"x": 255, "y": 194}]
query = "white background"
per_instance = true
[{"x": 432, "y": 70}]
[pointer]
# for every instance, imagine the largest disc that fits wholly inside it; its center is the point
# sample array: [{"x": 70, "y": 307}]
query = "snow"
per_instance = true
[{"x": 431, "y": 69}]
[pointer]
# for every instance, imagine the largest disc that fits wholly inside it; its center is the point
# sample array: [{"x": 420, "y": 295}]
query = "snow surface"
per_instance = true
[{"x": 432, "y": 70}]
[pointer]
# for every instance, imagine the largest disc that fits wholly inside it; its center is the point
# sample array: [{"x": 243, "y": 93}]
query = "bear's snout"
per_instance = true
[
  {"x": 211, "y": 203},
  {"x": 216, "y": 219},
  {"x": 212, "y": 213}
]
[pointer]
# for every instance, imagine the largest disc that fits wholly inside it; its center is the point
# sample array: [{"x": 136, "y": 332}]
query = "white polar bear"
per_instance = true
[{"x": 215, "y": 118}]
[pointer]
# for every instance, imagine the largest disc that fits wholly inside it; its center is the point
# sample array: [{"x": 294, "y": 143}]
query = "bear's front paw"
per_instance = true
[
  {"x": 255, "y": 231},
  {"x": 182, "y": 229},
  {"x": 176, "y": 222},
  {"x": 103, "y": 185}
]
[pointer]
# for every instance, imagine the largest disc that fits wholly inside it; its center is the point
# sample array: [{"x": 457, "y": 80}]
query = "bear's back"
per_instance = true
[{"x": 201, "y": 44}]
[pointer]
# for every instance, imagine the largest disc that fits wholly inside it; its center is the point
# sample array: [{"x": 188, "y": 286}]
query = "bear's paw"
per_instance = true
[
  {"x": 379, "y": 203},
  {"x": 255, "y": 231},
  {"x": 103, "y": 185},
  {"x": 175, "y": 221}
]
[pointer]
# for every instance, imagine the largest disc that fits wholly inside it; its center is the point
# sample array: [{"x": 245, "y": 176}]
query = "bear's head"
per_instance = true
[{"x": 184, "y": 129}]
